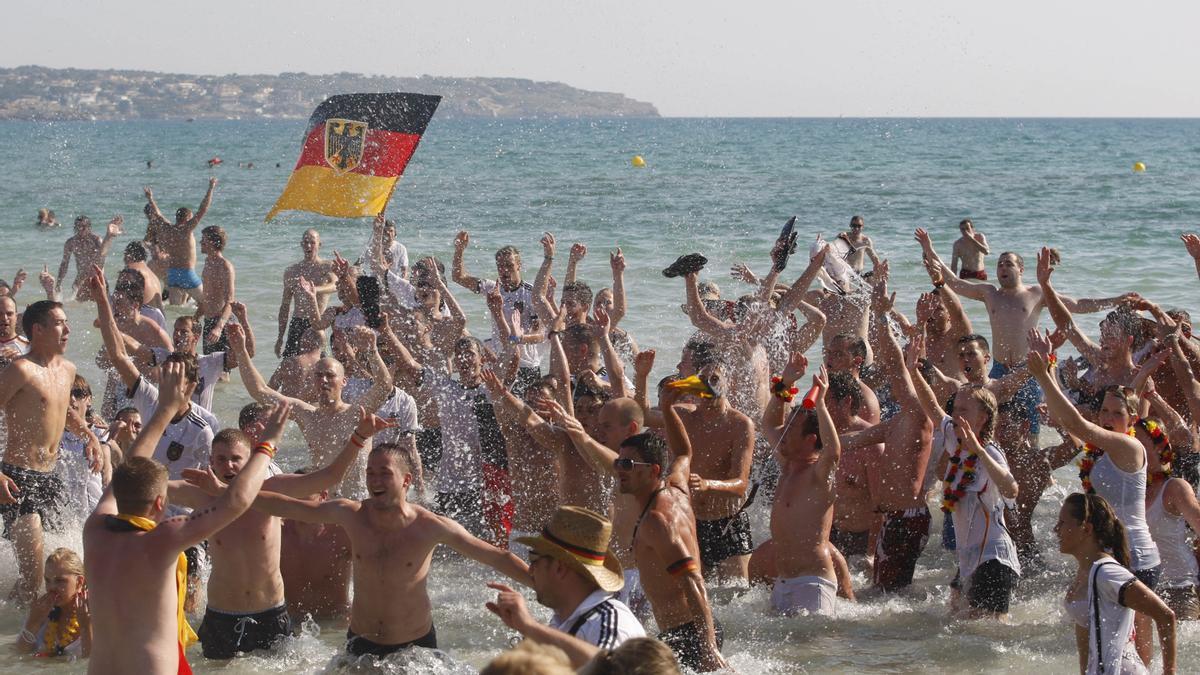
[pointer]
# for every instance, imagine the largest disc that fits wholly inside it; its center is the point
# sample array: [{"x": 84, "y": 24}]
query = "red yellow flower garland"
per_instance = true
[
  {"x": 1092, "y": 454},
  {"x": 783, "y": 391},
  {"x": 1166, "y": 454},
  {"x": 56, "y": 642},
  {"x": 956, "y": 482}
]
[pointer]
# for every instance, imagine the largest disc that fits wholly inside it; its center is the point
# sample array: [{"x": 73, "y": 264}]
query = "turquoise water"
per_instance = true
[{"x": 720, "y": 187}]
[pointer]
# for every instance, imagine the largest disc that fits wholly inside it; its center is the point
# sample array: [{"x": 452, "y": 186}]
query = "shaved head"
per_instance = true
[{"x": 626, "y": 411}]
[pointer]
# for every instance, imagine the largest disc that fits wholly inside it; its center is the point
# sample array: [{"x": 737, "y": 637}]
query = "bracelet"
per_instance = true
[
  {"x": 938, "y": 286},
  {"x": 356, "y": 442},
  {"x": 1052, "y": 361},
  {"x": 266, "y": 449},
  {"x": 782, "y": 391}
]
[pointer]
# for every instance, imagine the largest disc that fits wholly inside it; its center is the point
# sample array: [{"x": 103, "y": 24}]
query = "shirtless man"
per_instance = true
[
  {"x": 133, "y": 554},
  {"x": 35, "y": 391},
  {"x": 216, "y": 299},
  {"x": 1014, "y": 309},
  {"x": 246, "y": 608},
  {"x": 802, "y": 513},
  {"x": 392, "y": 542},
  {"x": 176, "y": 241},
  {"x": 908, "y": 436},
  {"x": 846, "y": 353},
  {"x": 135, "y": 259},
  {"x": 860, "y": 244},
  {"x": 314, "y": 559},
  {"x": 330, "y": 420},
  {"x": 12, "y": 345},
  {"x": 665, "y": 545},
  {"x": 319, "y": 274},
  {"x": 942, "y": 320},
  {"x": 970, "y": 249},
  {"x": 855, "y": 519},
  {"x": 88, "y": 250}
]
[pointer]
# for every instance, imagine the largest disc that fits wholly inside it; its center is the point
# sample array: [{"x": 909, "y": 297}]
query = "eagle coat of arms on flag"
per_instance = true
[{"x": 344, "y": 143}]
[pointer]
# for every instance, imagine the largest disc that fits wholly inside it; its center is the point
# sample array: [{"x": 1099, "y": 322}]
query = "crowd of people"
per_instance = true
[{"x": 542, "y": 450}]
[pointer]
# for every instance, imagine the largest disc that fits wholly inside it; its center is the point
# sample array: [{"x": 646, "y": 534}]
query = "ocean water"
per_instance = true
[{"x": 719, "y": 187}]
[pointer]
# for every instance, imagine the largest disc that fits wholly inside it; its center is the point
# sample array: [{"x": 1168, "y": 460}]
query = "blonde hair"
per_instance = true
[
  {"x": 530, "y": 658},
  {"x": 637, "y": 656},
  {"x": 67, "y": 559},
  {"x": 987, "y": 400}
]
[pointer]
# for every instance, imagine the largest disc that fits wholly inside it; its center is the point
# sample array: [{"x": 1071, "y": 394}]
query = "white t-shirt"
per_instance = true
[
  {"x": 979, "y": 528},
  {"x": 601, "y": 620},
  {"x": 461, "y": 466},
  {"x": 187, "y": 443},
  {"x": 84, "y": 486},
  {"x": 210, "y": 366},
  {"x": 1107, "y": 581},
  {"x": 154, "y": 314},
  {"x": 401, "y": 409},
  {"x": 396, "y": 252},
  {"x": 518, "y": 300},
  {"x": 19, "y": 347}
]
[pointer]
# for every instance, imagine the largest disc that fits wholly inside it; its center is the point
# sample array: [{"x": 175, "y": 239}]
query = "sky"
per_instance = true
[{"x": 908, "y": 58}]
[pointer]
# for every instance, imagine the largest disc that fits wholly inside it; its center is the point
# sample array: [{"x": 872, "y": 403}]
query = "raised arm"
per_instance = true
[
  {"x": 643, "y": 363},
  {"x": 925, "y": 396},
  {"x": 458, "y": 270},
  {"x": 153, "y": 213},
  {"x": 252, "y": 379},
  {"x": 1058, "y": 310},
  {"x": 456, "y": 537},
  {"x": 698, "y": 313},
  {"x": 890, "y": 358},
  {"x": 831, "y": 443},
  {"x": 795, "y": 295},
  {"x": 111, "y": 232},
  {"x": 204, "y": 204},
  {"x": 381, "y": 377},
  {"x": 113, "y": 344},
  {"x": 975, "y": 291},
  {"x": 597, "y": 454},
  {"x": 578, "y": 252},
  {"x": 616, "y": 260},
  {"x": 677, "y": 440},
  {"x": 612, "y": 362},
  {"x": 546, "y": 311},
  {"x": 303, "y": 484},
  {"x": 773, "y": 422},
  {"x": 959, "y": 323}
]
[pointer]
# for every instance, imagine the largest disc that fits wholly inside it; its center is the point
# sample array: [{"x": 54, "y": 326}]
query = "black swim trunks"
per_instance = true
[
  {"x": 723, "y": 539},
  {"x": 688, "y": 642},
  {"x": 850, "y": 543},
  {"x": 222, "y": 343},
  {"x": 224, "y": 635},
  {"x": 429, "y": 447},
  {"x": 991, "y": 588},
  {"x": 296, "y": 329},
  {"x": 359, "y": 646},
  {"x": 40, "y": 493}
]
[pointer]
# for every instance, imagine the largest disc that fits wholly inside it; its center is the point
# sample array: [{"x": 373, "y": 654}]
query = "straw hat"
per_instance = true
[{"x": 579, "y": 538}]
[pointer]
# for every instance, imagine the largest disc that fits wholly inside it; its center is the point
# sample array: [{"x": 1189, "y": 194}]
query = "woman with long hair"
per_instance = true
[
  {"x": 1105, "y": 595},
  {"x": 59, "y": 623}
]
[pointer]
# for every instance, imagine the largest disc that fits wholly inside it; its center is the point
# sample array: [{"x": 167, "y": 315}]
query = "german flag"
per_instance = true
[{"x": 356, "y": 147}]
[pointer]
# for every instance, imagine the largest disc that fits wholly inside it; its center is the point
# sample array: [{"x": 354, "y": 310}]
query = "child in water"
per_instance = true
[{"x": 59, "y": 623}]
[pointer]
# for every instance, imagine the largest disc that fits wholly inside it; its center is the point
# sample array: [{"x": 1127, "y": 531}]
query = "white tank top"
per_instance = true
[
  {"x": 1126, "y": 492},
  {"x": 1171, "y": 535}
]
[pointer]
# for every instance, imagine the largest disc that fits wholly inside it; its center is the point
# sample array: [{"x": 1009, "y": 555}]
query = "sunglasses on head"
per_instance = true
[{"x": 628, "y": 464}]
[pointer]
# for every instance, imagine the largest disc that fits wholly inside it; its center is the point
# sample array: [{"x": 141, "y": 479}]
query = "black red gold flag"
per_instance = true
[{"x": 355, "y": 150}]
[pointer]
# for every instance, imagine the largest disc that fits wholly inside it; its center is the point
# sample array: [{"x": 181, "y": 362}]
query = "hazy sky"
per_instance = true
[{"x": 901, "y": 58}]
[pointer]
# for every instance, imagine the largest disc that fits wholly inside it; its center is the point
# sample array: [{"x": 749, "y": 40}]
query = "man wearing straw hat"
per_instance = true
[{"x": 575, "y": 575}]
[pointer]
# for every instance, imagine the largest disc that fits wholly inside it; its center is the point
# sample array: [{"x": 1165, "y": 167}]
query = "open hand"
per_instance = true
[
  {"x": 369, "y": 424},
  {"x": 204, "y": 479},
  {"x": 643, "y": 362}
]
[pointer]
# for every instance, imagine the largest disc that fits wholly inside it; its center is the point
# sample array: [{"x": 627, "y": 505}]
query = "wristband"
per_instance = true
[
  {"x": 1052, "y": 361},
  {"x": 356, "y": 442},
  {"x": 683, "y": 566},
  {"x": 782, "y": 391},
  {"x": 513, "y": 339},
  {"x": 938, "y": 286},
  {"x": 266, "y": 449}
]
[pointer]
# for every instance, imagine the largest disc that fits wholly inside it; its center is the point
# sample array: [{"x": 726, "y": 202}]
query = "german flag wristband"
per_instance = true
[
  {"x": 266, "y": 449},
  {"x": 681, "y": 567}
]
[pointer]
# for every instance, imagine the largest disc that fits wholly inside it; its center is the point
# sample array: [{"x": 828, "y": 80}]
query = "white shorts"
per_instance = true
[
  {"x": 633, "y": 596},
  {"x": 816, "y": 595}
]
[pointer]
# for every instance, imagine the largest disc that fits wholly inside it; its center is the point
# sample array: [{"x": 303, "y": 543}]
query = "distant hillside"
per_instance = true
[{"x": 34, "y": 92}]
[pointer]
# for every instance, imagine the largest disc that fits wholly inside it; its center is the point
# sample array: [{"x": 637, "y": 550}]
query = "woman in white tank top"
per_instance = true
[
  {"x": 1171, "y": 506},
  {"x": 1105, "y": 595}
]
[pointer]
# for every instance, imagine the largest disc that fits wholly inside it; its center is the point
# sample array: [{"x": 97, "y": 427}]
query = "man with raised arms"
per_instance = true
[
  {"x": 88, "y": 250},
  {"x": 802, "y": 513},
  {"x": 330, "y": 420},
  {"x": 176, "y": 241},
  {"x": 392, "y": 542},
  {"x": 134, "y": 557},
  {"x": 35, "y": 392},
  {"x": 246, "y": 608},
  {"x": 908, "y": 436},
  {"x": 857, "y": 482},
  {"x": 318, "y": 273},
  {"x": 970, "y": 249}
]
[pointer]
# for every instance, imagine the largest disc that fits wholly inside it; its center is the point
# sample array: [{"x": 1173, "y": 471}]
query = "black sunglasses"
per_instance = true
[{"x": 628, "y": 464}]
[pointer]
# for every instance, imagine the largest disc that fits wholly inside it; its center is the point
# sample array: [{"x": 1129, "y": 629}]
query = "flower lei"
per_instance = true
[
  {"x": 1166, "y": 454},
  {"x": 782, "y": 391},
  {"x": 960, "y": 473},
  {"x": 56, "y": 642},
  {"x": 1092, "y": 454}
]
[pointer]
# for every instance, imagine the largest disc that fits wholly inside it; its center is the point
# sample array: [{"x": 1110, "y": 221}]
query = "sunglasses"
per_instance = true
[
  {"x": 80, "y": 393},
  {"x": 628, "y": 464}
]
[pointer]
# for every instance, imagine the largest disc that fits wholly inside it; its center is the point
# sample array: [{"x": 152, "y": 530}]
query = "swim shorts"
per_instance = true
[
  {"x": 723, "y": 538},
  {"x": 359, "y": 646},
  {"x": 815, "y": 595},
  {"x": 850, "y": 543},
  {"x": 901, "y": 540},
  {"x": 225, "y": 634},
  {"x": 41, "y": 494},
  {"x": 222, "y": 343},
  {"x": 991, "y": 587},
  {"x": 964, "y": 273},
  {"x": 1028, "y": 397},
  {"x": 688, "y": 642},
  {"x": 296, "y": 329},
  {"x": 497, "y": 502},
  {"x": 182, "y": 277}
]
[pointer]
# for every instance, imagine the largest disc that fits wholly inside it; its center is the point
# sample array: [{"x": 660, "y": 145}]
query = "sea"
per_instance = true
[{"x": 720, "y": 187}]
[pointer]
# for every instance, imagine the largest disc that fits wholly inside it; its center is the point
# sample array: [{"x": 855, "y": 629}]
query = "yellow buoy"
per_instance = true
[
  {"x": 638, "y": 161},
  {"x": 1138, "y": 167}
]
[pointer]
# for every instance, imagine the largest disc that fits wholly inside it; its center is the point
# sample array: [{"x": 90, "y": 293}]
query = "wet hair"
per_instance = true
[
  {"x": 809, "y": 426},
  {"x": 409, "y": 459},
  {"x": 1125, "y": 319},
  {"x": 530, "y": 658},
  {"x": 182, "y": 214},
  {"x": 1179, "y": 315},
  {"x": 508, "y": 251},
  {"x": 251, "y": 413},
  {"x": 579, "y": 335},
  {"x": 469, "y": 341},
  {"x": 137, "y": 483},
  {"x": 965, "y": 222},
  {"x": 81, "y": 383},
  {"x": 1127, "y": 395},
  {"x": 857, "y": 346},
  {"x": 638, "y": 656},
  {"x": 1016, "y": 256},
  {"x": 649, "y": 447},
  {"x": 131, "y": 285},
  {"x": 38, "y": 314},
  {"x": 83, "y": 220},
  {"x": 124, "y": 413},
  {"x": 189, "y": 320},
  {"x": 703, "y": 353},
  {"x": 232, "y": 437},
  {"x": 842, "y": 386},
  {"x": 1106, "y": 527},
  {"x": 419, "y": 266},
  {"x": 987, "y": 400},
  {"x": 977, "y": 338},
  {"x": 390, "y": 223},
  {"x": 215, "y": 236},
  {"x": 136, "y": 251},
  {"x": 583, "y": 292},
  {"x": 67, "y": 559},
  {"x": 191, "y": 369}
]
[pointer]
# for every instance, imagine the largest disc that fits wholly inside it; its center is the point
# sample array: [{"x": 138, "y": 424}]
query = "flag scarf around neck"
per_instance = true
[
  {"x": 355, "y": 149},
  {"x": 186, "y": 635}
]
